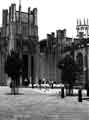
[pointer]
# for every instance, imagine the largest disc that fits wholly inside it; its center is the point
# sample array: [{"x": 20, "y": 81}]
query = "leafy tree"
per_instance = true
[
  {"x": 12, "y": 68},
  {"x": 69, "y": 69}
]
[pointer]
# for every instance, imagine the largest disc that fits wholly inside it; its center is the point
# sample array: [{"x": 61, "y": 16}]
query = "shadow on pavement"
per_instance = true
[{"x": 14, "y": 94}]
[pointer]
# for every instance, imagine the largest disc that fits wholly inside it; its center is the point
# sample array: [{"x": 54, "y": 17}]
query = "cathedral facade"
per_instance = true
[{"x": 19, "y": 32}]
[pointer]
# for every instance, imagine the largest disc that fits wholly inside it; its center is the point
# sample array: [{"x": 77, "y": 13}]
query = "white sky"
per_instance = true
[{"x": 53, "y": 14}]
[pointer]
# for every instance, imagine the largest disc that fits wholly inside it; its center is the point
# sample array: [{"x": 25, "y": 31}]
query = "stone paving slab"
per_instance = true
[{"x": 32, "y": 105}]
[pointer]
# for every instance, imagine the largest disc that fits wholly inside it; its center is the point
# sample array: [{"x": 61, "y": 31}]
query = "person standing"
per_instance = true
[{"x": 40, "y": 83}]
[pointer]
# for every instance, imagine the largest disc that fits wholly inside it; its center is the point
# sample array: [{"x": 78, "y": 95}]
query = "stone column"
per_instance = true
[{"x": 36, "y": 64}]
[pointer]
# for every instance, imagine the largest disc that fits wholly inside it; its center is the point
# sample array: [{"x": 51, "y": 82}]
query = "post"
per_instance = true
[
  {"x": 80, "y": 95},
  {"x": 62, "y": 92},
  {"x": 88, "y": 91}
]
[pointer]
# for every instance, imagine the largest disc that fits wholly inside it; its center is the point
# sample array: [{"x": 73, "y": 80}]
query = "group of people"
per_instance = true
[{"x": 44, "y": 81}]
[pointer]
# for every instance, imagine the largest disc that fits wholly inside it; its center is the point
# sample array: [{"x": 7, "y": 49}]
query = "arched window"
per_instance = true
[{"x": 79, "y": 59}]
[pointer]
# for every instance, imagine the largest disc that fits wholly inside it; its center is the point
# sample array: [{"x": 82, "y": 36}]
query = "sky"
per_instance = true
[{"x": 53, "y": 14}]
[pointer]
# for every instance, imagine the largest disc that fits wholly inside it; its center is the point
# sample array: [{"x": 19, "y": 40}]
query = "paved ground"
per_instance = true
[{"x": 34, "y": 104}]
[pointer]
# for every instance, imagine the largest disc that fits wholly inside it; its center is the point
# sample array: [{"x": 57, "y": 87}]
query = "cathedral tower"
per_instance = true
[{"x": 82, "y": 28}]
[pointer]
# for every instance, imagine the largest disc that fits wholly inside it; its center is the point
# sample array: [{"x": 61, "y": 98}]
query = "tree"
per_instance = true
[
  {"x": 12, "y": 68},
  {"x": 69, "y": 69}
]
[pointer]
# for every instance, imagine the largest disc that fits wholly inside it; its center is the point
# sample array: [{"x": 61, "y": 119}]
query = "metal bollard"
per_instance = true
[
  {"x": 88, "y": 91},
  {"x": 80, "y": 95},
  {"x": 52, "y": 86},
  {"x": 62, "y": 92}
]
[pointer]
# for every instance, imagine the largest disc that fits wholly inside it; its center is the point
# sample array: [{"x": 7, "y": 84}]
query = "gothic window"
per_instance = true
[
  {"x": 79, "y": 59},
  {"x": 86, "y": 28},
  {"x": 82, "y": 28},
  {"x": 25, "y": 29},
  {"x": 78, "y": 28}
]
